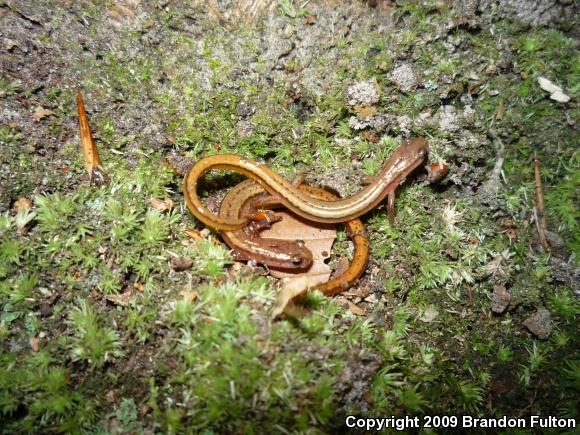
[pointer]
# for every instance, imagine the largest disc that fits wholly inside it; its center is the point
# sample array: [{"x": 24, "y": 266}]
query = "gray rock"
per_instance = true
[
  {"x": 501, "y": 299},
  {"x": 540, "y": 323},
  {"x": 538, "y": 12}
]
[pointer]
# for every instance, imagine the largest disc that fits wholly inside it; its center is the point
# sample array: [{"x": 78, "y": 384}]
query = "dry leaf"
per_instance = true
[
  {"x": 22, "y": 204},
  {"x": 181, "y": 264},
  {"x": 110, "y": 397},
  {"x": 118, "y": 12},
  {"x": 511, "y": 230},
  {"x": 317, "y": 237},
  {"x": 500, "y": 111},
  {"x": 178, "y": 163},
  {"x": 341, "y": 267},
  {"x": 41, "y": 113},
  {"x": 365, "y": 111},
  {"x": 91, "y": 157},
  {"x": 358, "y": 293},
  {"x": 193, "y": 234},
  {"x": 498, "y": 387},
  {"x": 35, "y": 344},
  {"x": 123, "y": 299},
  {"x": 292, "y": 288},
  {"x": 189, "y": 296},
  {"x": 355, "y": 309},
  {"x": 161, "y": 204},
  {"x": 309, "y": 19},
  {"x": 370, "y": 137}
]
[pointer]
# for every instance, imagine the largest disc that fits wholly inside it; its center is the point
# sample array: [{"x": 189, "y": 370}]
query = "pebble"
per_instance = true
[{"x": 540, "y": 323}]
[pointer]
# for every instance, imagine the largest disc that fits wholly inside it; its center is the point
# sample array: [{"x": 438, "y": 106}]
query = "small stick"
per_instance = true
[
  {"x": 97, "y": 175},
  {"x": 539, "y": 210}
]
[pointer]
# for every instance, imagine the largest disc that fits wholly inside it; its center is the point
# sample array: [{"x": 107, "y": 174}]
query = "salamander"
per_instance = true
[
  {"x": 246, "y": 242},
  {"x": 247, "y": 197},
  {"x": 404, "y": 160}
]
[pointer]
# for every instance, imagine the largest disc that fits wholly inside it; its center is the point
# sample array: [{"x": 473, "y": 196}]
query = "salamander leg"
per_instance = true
[
  {"x": 368, "y": 179},
  {"x": 261, "y": 219},
  {"x": 298, "y": 180}
]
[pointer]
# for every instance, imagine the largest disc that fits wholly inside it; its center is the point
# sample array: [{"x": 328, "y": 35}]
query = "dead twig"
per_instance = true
[{"x": 97, "y": 176}]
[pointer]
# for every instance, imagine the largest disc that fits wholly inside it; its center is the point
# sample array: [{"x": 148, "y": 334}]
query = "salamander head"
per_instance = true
[
  {"x": 302, "y": 256},
  {"x": 407, "y": 157},
  {"x": 415, "y": 148}
]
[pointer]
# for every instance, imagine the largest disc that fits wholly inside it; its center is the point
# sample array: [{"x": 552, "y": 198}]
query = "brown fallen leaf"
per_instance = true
[
  {"x": 97, "y": 175},
  {"x": 22, "y": 204},
  {"x": 309, "y": 19},
  {"x": 370, "y": 137},
  {"x": 123, "y": 299},
  {"x": 317, "y": 237},
  {"x": 41, "y": 113},
  {"x": 119, "y": 12},
  {"x": 193, "y": 234},
  {"x": 189, "y": 296},
  {"x": 501, "y": 299},
  {"x": 35, "y": 344},
  {"x": 341, "y": 267},
  {"x": 178, "y": 163},
  {"x": 539, "y": 208},
  {"x": 355, "y": 309},
  {"x": 498, "y": 387},
  {"x": 358, "y": 293},
  {"x": 291, "y": 289},
  {"x": 500, "y": 111},
  {"x": 365, "y": 111},
  {"x": 161, "y": 204},
  {"x": 111, "y": 396}
]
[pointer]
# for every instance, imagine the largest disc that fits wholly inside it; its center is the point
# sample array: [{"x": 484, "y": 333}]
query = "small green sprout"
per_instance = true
[
  {"x": 411, "y": 399},
  {"x": 560, "y": 339},
  {"x": 10, "y": 251},
  {"x": 564, "y": 303},
  {"x": 53, "y": 211},
  {"x": 23, "y": 217},
  {"x": 537, "y": 356},
  {"x": 23, "y": 288},
  {"x": 392, "y": 346},
  {"x": 183, "y": 313},
  {"x": 91, "y": 342},
  {"x": 504, "y": 354},
  {"x": 471, "y": 396}
]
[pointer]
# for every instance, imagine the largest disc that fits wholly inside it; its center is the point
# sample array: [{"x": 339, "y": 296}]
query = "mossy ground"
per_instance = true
[{"x": 171, "y": 78}]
